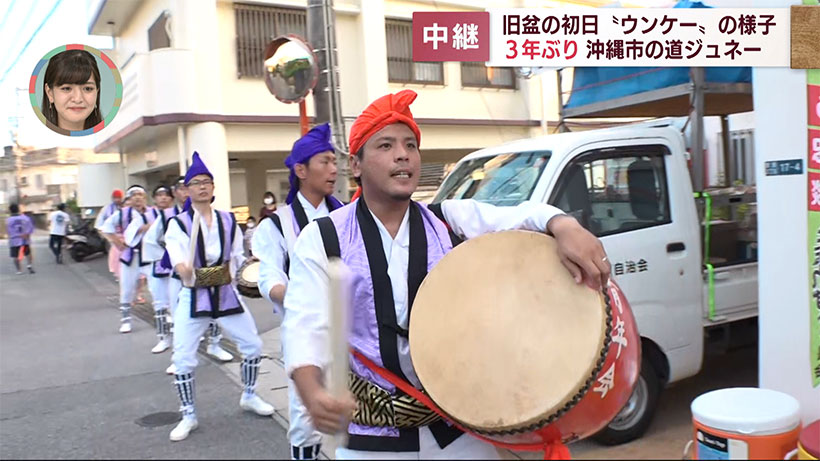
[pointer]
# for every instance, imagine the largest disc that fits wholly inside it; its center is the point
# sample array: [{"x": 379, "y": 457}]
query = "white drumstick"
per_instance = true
[
  {"x": 339, "y": 306},
  {"x": 192, "y": 246}
]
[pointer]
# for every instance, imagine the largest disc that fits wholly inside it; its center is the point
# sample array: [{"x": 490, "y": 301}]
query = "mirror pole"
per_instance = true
[{"x": 303, "y": 118}]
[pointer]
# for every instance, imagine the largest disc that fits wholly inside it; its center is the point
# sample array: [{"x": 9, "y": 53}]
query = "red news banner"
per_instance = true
[{"x": 556, "y": 37}]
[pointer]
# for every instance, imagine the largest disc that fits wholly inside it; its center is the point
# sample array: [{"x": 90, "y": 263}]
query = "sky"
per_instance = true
[{"x": 28, "y": 30}]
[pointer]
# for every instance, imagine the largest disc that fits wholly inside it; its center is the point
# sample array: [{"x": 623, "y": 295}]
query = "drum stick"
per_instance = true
[
  {"x": 192, "y": 246},
  {"x": 339, "y": 306}
]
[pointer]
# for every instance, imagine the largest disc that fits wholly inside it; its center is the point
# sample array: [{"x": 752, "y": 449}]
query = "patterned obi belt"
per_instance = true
[
  {"x": 378, "y": 408},
  {"x": 213, "y": 276}
]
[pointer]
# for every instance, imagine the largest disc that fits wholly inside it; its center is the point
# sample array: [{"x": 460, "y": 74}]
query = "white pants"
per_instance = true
[
  {"x": 174, "y": 287},
  {"x": 465, "y": 447},
  {"x": 187, "y": 330},
  {"x": 158, "y": 286},
  {"x": 130, "y": 277},
  {"x": 301, "y": 432}
]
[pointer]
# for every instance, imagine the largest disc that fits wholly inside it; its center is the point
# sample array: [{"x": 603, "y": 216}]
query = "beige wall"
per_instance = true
[{"x": 199, "y": 74}]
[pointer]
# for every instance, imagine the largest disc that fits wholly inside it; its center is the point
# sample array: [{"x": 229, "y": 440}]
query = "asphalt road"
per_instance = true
[{"x": 71, "y": 386}]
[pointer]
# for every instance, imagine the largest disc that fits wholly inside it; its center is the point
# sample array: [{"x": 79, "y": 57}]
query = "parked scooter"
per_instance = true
[{"x": 85, "y": 241}]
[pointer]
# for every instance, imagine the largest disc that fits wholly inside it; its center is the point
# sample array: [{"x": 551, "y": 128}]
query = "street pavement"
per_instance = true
[{"x": 71, "y": 386}]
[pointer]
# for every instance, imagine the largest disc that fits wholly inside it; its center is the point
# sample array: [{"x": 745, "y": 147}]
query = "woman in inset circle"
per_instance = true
[{"x": 71, "y": 89}]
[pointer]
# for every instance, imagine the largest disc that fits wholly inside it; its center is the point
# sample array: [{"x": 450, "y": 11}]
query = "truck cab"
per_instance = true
[{"x": 630, "y": 186}]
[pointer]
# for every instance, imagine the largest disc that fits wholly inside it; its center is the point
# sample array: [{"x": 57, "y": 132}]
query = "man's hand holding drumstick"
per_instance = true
[
  {"x": 186, "y": 270},
  {"x": 331, "y": 408},
  {"x": 580, "y": 252}
]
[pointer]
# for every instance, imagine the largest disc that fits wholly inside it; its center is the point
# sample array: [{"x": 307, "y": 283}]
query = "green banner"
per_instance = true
[{"x": 813, "y": 167}]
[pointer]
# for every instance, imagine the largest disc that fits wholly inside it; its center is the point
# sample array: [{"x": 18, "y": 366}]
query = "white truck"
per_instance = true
[{"x": 631, "y": 187}]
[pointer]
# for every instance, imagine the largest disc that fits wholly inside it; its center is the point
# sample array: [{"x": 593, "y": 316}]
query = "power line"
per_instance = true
[
  {"x": 36, "y": 31},
  {"x": 6, "y": 16},
  {"x": 20, "y": 27}
]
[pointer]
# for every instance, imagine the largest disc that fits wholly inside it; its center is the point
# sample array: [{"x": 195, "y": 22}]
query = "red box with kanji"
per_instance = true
[
  {"x": 814, "y": 191},
  {"x": 451, "y": 36}
]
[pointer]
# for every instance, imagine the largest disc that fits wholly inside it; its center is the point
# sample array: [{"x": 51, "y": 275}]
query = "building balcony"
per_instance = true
[{"x": 156, "y": 85}]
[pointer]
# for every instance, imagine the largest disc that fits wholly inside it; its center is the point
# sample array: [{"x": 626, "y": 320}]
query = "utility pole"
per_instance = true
[{"x": 321, "y": 28}]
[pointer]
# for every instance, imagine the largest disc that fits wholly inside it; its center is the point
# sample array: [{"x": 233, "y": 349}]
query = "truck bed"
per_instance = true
[{"x": 735, "y": 294}]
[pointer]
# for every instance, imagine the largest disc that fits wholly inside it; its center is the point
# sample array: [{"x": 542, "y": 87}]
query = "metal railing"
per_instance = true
[{"x": 256, "y": 26}]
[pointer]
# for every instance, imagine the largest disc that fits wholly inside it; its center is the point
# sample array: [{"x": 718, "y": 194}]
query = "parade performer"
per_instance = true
[
  {"x": 157, "y": 275},
  {"x": 105, "y": 213},
  {"x": 131, "y": 262},
  {"x": 312, "y": 165},
  {"x": 205, "y": 249},
  {"x": 389, "y": 242},
  {"x": 154, "y": 244}
]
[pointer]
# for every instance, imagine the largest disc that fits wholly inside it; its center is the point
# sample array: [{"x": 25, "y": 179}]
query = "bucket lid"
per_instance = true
[
  {"x": 747, "y": 410},
  {"x": 810, "y": 439}
]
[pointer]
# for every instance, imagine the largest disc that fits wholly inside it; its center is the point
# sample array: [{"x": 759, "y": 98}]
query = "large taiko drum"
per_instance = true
[
  {"x": 247, "y": 279},
  {"x": 508, "y": 345}
]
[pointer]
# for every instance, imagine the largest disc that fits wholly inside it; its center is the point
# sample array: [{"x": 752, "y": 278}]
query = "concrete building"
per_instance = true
[
  {"x": 39, "y": 179},
  {"x": 192, "y": 76}
]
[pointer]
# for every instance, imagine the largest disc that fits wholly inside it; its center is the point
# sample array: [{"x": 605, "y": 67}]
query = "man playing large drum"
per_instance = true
[{"x": 389, "y": 243}]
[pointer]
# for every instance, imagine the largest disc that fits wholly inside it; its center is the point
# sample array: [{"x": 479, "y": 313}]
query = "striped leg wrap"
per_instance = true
[
  {"x": 250, "y": 371},
  {"x": 125, "y": 309},
  {"x": 185, "y": 387},
  {"x": 161, "y": 322},
  {"x": 214, "y": 333},
  {"x": 311, "y": 452}
]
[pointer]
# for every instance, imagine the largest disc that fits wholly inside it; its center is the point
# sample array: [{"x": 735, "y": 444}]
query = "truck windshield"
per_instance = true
[{"x": 503, "y": 180}]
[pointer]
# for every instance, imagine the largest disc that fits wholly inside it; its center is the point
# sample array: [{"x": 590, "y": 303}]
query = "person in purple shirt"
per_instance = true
[{"x": 20, "y": 228}]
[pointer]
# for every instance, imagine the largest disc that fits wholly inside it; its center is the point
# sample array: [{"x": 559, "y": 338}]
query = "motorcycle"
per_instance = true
[{"x": 85, "y": 241}]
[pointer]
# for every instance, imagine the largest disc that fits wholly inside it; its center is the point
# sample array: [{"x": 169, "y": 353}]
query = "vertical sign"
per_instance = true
[{"x": 813, "y": 162}]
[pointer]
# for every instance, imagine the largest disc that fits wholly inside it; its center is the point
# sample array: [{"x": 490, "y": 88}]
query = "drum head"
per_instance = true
[
  {"x": 249, "y": 273},
  {"x": 501, "y": 336}
]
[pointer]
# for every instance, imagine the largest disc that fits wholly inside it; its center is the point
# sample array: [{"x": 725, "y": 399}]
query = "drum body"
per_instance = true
[
  {"x": 508, "y": 345},
  {"x": 247, "y": 279}
]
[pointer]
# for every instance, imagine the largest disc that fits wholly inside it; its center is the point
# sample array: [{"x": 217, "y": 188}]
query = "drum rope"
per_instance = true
[{"x": 553, "y": 448}]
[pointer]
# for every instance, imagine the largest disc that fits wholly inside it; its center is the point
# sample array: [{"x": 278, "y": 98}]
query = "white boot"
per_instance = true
[
  {"x": 216, "y": 351},
  {"x": 171, "y": 370},
  {"x": 184, "y": 428},
  {"x": 125, "y": 327},
  {"x": 161, "y": 346},
  {"x": 254, "y": 403}
]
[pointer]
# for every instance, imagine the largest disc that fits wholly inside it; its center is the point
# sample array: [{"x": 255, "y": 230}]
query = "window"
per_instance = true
[
  {"x": 256, "y": 26},
  {"x": 615, "y": 190},
  {"x": 476, "y": 74},
  {"x": 504, "y": 180},
  {"x": 400, "y": 65},
  {"x": 24, "y": 181},
  {"x": 158, "y": 32},
  {"x": 4, "y": 184},
  {"x": 39, "y": 182},
  {"x": 743, "y": 152}
]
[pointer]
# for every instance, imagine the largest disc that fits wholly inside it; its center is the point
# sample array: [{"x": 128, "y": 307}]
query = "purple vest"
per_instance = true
[
  {"x": 219, "y": 301},
  {"x": 374, "y": 329},
  {"x": 165, "y": 262},
  {"x": 126, "y": 216},
  {"x": 160, "y": 270}
]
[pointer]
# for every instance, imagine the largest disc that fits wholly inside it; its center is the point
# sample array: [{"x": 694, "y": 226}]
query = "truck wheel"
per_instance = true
[
  {"x": 78, "y": 252},
  {"x": 634, "y": 418}
]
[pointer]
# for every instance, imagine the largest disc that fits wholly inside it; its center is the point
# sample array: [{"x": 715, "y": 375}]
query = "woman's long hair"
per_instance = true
[{"x": 72, "y": 66}]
